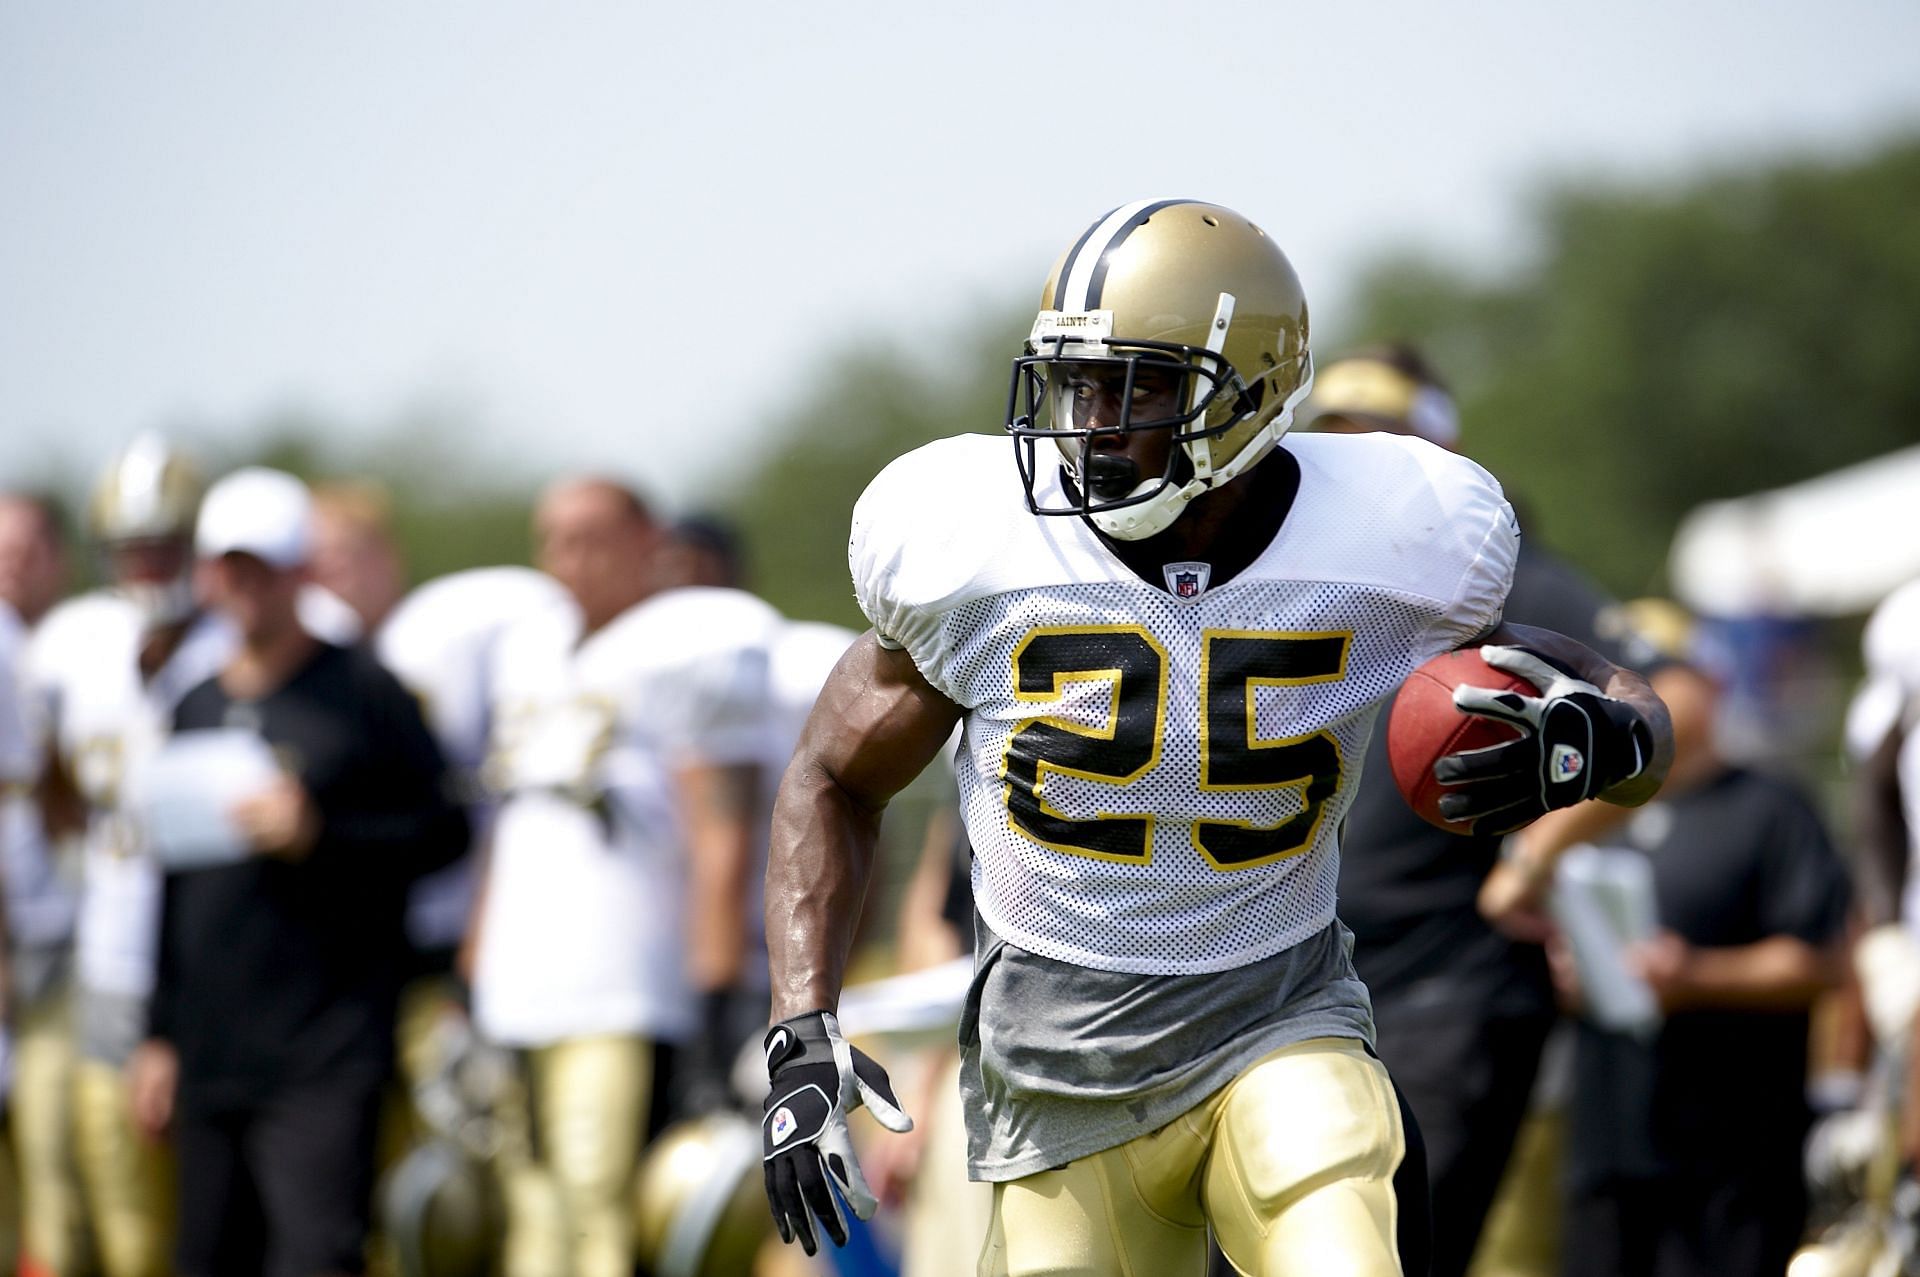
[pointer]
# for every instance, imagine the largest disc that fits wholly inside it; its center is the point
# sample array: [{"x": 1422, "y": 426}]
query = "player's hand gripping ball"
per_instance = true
[
  {"x": 1424, "y": 726},
  {"x": 1490, "y": 740}
]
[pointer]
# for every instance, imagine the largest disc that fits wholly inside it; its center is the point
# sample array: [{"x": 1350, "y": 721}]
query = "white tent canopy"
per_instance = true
[{"x": 1831, "y": 546}]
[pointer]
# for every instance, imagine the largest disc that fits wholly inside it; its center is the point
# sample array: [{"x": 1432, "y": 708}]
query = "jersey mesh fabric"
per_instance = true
[
  {"x": 1402, "y": 548},
  {"x": 1176, "y": 913}
]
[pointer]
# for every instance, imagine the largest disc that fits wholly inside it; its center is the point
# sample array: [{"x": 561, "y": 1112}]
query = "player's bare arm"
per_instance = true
[{"x": 875, "y": 727}]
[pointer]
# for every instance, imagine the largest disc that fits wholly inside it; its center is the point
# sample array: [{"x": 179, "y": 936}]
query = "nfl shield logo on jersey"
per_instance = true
[{"x": 1188, "y": 580}]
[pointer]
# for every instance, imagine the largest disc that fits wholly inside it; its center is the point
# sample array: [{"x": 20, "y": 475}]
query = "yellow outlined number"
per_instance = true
[
  {"x": 1123, "y": 748},
  {"x": 1233, "y": 757},
  {"x": 1127, "y": 743}
]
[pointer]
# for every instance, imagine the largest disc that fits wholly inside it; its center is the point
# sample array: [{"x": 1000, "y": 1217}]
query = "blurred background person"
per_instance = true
[
  {"x": 19, "y": 767},
  {"x": 41, "y": 901},
  {"x": 271, "y": 1030},
  {"x": 34, "y": 563},
  {"x": 1462, "y": 1010},
  {"x": 1883, "y": 741},
  {"x": 705, "y": 551},
  {"x": 437, "y": 641},
  {"x": 629, "y": 727},
  {"x": 439, "y": 1209},
  {"x": 355, "y": 555},
  {"x": 109, "y": 667},
  {"x": 700, "y": 549},
  {"x": 1685, "y": 1147}
]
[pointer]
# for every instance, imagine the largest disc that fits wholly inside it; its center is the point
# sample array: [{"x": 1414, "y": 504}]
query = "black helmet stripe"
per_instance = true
[
  {"x": 1073, "y": 255},
  {"x": 1119, "y": 237}
]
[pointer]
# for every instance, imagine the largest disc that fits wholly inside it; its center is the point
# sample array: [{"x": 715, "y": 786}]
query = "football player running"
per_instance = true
[{"x": 1167, "y": 639}]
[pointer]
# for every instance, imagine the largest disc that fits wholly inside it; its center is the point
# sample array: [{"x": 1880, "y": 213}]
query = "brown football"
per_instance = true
[{"x": 1424, "y": 726}]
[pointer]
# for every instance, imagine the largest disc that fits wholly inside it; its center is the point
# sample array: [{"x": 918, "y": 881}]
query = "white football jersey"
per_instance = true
[
  {"x": 106, "y": 723},
  {"x": 1155, "y": 783},
  {"x": 1889, "y": 698},
  {"x": 439, "y": 639},
  {"x": 583, "y": 929},
  {"x": 40, "y": 901},
  {"x": 439, "y": 643}
]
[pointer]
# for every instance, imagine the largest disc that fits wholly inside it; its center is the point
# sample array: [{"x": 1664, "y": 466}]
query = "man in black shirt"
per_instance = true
[
  {"x": 272, "y": 1023},
  {"x": 1461, "y": 1010},
  {"x": 1685, "y": 1149}
]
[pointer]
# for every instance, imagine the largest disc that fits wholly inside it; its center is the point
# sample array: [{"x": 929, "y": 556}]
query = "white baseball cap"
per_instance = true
[{"x": 265, "y": 513}]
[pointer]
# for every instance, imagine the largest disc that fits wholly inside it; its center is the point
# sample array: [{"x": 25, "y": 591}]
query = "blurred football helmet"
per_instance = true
[
  {"x": 1392, "y": 391},
  {"x": 699, "y": 1206},
  {"x": 440, "y": 1211},
  {"x": 1175, "y": 286},
  {"x": 140, "y": 517}
]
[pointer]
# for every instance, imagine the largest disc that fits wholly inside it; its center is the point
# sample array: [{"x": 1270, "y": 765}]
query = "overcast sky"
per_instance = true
[{"x": 619, "y": 235}]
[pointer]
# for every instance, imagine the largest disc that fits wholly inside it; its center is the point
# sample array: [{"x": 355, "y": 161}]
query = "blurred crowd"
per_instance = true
[
  {"x": 338, "y": 910},
  {"x": 352, "y": 922}
]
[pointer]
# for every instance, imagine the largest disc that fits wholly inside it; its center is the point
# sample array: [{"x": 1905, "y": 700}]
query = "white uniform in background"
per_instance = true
[
  {"x": 41, "y": 901},
  {"x": 105, "y": 722},
  {"x": 582, "y": 944},
  {"x": 804, "y": 653},
  {"x": 582, "y": 928},
  {"x": 801, "y": 655},
  {"x": 439, "y": 643},
  {"x": 1890, "y": 699},
  {"x": 19, "y": 766}
]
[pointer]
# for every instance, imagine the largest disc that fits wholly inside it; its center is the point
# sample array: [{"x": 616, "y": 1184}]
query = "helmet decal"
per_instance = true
[{"x": 1085, "y": 272}]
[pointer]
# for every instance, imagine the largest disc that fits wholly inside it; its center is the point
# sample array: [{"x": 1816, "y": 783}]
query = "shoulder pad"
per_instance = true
[{"x": 929, "y": 529}]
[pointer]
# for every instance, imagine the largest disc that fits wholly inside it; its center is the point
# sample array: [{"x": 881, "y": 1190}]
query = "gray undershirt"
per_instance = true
[{"x": 1059, "y": 1061}]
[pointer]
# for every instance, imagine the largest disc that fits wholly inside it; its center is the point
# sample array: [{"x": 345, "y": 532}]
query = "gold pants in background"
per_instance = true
[
  {"x": 568, "y": 1174},
  {"x": 128, "y": 1179}
]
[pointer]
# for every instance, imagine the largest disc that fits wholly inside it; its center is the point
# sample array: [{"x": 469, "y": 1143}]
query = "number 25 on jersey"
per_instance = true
[{"x": 1127, "y": 744}]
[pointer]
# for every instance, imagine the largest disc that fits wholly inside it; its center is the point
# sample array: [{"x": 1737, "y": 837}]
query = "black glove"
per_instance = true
[
  {"x": 1575, "y": 743},
  {"x": 817, "y": 1080}
]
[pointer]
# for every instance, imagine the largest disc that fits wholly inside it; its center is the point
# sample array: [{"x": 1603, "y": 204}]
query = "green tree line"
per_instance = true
[{"x": 1659, "y": 347}]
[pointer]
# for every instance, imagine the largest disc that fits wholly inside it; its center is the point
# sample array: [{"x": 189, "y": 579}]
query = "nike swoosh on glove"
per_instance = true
[
  {"x": 817, "y": 1080},
  {"x": 1575, "y": 742}
]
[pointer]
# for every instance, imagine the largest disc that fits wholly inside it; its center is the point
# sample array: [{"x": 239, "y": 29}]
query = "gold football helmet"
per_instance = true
[
  {"x": 1389, "y": 388},
  {"x": 440, "y": 1211},
  {"x": 699, "y": 1206},
  {"x": 1172, "y": 286},
  {"x": 142, "y": 511}
]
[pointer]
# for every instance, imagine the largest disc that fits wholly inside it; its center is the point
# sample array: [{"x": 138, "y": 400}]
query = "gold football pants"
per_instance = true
[
  {"x": 51, "y": 1220},
  {"x": 1291, "y": 1164},
  {"x": 128, "y": 1179},
  {"x": 569, "y": 1187}
]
